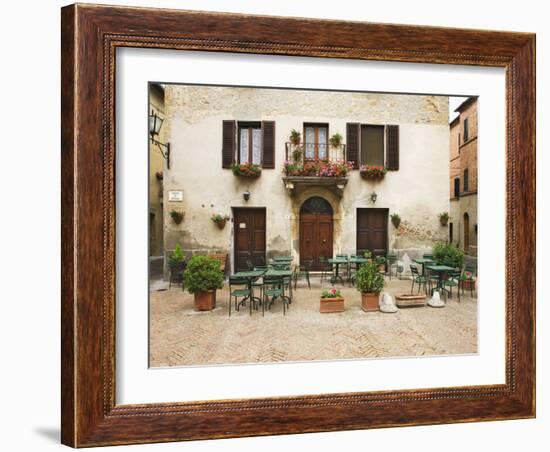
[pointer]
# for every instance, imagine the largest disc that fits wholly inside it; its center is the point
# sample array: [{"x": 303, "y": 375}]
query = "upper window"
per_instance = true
[
  {"x": 466, "y": 179},
  {"x": 315, "y": 141},
  {"x": 372, "y": 145},
  {"x": 457, "y": 187},
  {"x": 465, "y": 130},
  {"x": 250, "y": 142}
]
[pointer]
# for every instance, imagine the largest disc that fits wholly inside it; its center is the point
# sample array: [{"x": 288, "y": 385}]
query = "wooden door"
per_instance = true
[
  {"x": 316, "y": 230},
  {"x": 249, "y": 237},
  {"x": 372, "y": 231}
]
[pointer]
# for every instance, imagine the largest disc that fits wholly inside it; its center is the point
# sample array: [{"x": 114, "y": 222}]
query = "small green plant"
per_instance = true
[
  {"x": 219, "y": 218},
  {"x": 448, "y": 254},
  {"x": 380, "y": 260},
  {"x": 369, "y": 279},
  {"x": 297, "y": 154},
  {"x": 444, "y": 218},
  {"x": 335, "y": 140},
  {"x": 295, "y": 137},
  {"x": 176, "y": 256},
  {"x": 396, "y": 220},
  {"x": 333, "y": 293},
  {"x": 203, "y": 274},
  {"x": 367, "y": 254}
]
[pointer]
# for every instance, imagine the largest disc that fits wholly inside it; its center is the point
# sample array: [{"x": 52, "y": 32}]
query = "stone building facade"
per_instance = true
[
  {"x": 156, "y": 174},
  {"x": 307, "y": 217},
  {"x": 463, "y": 177}
]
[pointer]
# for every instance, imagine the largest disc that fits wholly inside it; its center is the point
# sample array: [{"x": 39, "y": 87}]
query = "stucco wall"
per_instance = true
[{"x": 418, "y": 191}]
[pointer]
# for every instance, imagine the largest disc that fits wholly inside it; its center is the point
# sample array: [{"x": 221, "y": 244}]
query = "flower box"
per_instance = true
[
  {"x": 331, "y": 305},
  {"x": 372, "y": 172},
  {"x": 408, "y": 300},
  {"x": 246, "y": 170}
]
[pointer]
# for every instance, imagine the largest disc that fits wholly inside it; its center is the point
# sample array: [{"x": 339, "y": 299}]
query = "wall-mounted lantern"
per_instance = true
[
  {"x": 155, "y": 123},
  {"x": 373, "y": 197},
  {"x": 246, "y": 195}
]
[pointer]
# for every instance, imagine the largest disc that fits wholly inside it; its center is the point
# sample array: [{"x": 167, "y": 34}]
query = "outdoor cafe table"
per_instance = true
[
  {"x": 250, "y": 275},
  {"x": 337, "y": 261},
  {"x": 423, "y": 261},
  {"x": 282, "y": 258},
  {"x": 440, "y": 270}
]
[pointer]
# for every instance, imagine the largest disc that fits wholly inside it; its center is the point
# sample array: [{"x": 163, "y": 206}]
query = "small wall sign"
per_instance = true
[
  {"x": 175, "y": 195},
  {"x": 242, "y": 225}
]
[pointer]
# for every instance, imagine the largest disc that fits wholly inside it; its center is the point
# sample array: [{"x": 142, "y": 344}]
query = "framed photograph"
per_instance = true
[{"x": 269, "y": 232}]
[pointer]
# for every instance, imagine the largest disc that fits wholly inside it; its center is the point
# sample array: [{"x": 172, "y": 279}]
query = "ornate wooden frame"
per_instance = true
[{"x": 90, "y": 35}]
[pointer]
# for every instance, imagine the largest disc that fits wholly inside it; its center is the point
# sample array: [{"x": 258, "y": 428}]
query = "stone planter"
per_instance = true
[
  {"x": 205, "y": 301},
  {"x": 408, "y": 300},
  {"x": 370, "y": 301},
  {"x": 331, "y": 305}
]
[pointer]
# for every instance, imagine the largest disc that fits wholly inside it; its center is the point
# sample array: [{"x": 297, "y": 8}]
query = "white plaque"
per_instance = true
[{"x": 175, "y": 195}]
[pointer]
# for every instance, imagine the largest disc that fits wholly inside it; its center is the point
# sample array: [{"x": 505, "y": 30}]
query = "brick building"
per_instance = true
[{"x": 463, "y": 177}]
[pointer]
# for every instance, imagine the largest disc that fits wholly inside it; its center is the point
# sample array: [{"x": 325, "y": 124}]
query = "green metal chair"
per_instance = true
[
  {"x": 391, "y": 260},
  {"x": 469, "y": 273},
  {"x": 302, "y": 271},
  {"x": 239, "y": 292},
  {"x": 428, "y": 256},
  {"x": 417, "y": 278},
  {"x": 453, "y": 281},
  {"x": 326, "y": 268},
  {"x": 274, "y": 288}
]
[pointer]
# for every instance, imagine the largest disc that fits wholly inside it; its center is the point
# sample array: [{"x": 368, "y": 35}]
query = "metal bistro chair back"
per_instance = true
[
  {"x": 240, "y": 291},
  {"x": 428, "y": 256},
  {"x": 417, "y": 278},
  {"x": 391, "y": 260},
  {"x": 274, "y": 287},
  {"x": 280, "y": 266},
  {"x": 302, "y": 271},
  {"x": 326, "y": 268}
]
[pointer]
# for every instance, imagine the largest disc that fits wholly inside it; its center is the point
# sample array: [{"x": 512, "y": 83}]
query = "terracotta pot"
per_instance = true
[
  {"x": 221, "y": 224},
  {"x": 382, "y": 268},
  {"x": 205, "y": 301},
  {"x": 331, "y": 305},
  {"x": 469, "y": 284},
  {"x": 370, "y": 301}
]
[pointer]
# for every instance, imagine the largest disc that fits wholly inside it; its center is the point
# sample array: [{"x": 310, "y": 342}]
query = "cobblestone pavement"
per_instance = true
[{"x": 180, "y": 336}]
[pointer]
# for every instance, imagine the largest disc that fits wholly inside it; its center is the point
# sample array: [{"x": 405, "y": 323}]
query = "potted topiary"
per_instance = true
[
  {"x": 295, "y": 137},
  {"x": 395, "y": 220},
  {"x": 331, "y": 301},
  {"x": 335, "y": 140},
  {"x": 448, "y": 254},
  {"x": 444, "y": 218},
  {"x": 370, "y": 283},
  {"x": 202, "y": 277},
  {"x": 297, "y": 154},
  {"x": 381, "y": 262},
  {"x": 176, "y": 262}
]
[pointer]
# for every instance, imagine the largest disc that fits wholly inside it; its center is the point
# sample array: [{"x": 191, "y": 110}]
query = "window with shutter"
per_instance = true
[
  {"x": 392, "y": 147},
  {"x": 250, "y": 142},
  {"x": 372, "y": 145},
  {"x": 466, "y": 180},
  {"x": 352, "y": 143},
  {"x": 315, "y": 141},
  {"x": 457, "y": 187},
  {"x": 268, "y": 142},
  {"x": 228, "y": 143},
  {"x": 465, "y": 130}
]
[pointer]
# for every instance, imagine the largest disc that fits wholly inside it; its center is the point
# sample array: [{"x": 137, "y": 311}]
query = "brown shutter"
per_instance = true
[
  {"x": 228, "y": 143},
  {"x": 352, "y": 143},
  {"x": 268, "y": 144},
  {"x": 392, "y": 147}
]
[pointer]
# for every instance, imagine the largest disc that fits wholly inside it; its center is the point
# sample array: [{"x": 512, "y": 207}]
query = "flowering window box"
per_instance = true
[
  {"x": 246, "y": 169},
  {"x": 331, "y": 301},
  {"x": 318, "y": 168},
  {"x": 373, "y": 172}
]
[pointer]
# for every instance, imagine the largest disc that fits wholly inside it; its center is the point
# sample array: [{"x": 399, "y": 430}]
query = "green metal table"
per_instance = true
[
  {"x": 423, "y": 261},
  {"x": 337, "y": 261},
  {"x": 440, "y": 270},
  {"x": 250, "y": 275}
]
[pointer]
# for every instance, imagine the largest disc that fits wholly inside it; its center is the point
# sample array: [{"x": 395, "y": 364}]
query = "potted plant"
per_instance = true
[
  {"x": 176, "y": 262},
  {"x": 395, "y": 220},
  {"x": 331, "y": 301},
  {"x": 297, "y": 154},
  {"x": 219, "y": 219},
  {"x": 177, "y": 216},
  {"x": 448, "y": 254},
  {"x": 295, "y": 137},
  {"x": 381, "y": 262},
  {"x": 368, "y": 255},
  {"x": 335, "y": 140},
  {"x": 444, "y": 218},
  {"x": 370, "y": 283},
  {"x": 246, "y": 169},
  {"x": 202, "y": 277},
  {"x": 373, "y": 172}
]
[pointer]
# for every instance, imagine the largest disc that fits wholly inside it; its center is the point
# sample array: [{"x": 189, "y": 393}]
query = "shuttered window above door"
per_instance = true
[{"x": 248, "y": 142}]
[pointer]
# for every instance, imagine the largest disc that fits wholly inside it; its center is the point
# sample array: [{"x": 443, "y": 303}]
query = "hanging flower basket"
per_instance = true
[
  {"x": 177, "y": 217},
  {"x": 246, "y": 169},
  {"x": 443, "y": 218},
  {"x": 219, "y": 219},
  {"x": 372, "y": 172},
  {"x": 396, "y": 220}
]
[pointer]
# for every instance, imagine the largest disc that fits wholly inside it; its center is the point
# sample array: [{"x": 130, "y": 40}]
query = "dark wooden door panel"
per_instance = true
[
  {"x": 249, "y": 237},
  {"x": 372, "y": 231},
  {"x": 315, "y": 238}
]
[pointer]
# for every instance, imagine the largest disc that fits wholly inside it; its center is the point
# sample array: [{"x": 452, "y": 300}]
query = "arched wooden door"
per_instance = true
[
  {"x": 316, "y": 229},
  {"x": 466, "y": 232}
]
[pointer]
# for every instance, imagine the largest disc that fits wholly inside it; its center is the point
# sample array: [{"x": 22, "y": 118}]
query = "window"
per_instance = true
[
  {"x": 465, "y": 130},
  {"x": 450, "y": 233},
  {"x": 457, "y": 187},
  {"x": 372, "y": 145},
  {"x": 250, "y": 142},
  {"x": 466, "y": 180},
  {"x": 459, "y": 142},
  {"x": 315, "y": 141}
]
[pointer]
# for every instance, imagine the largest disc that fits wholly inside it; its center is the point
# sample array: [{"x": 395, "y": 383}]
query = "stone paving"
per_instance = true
[{"x": 179, "y": 336}]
